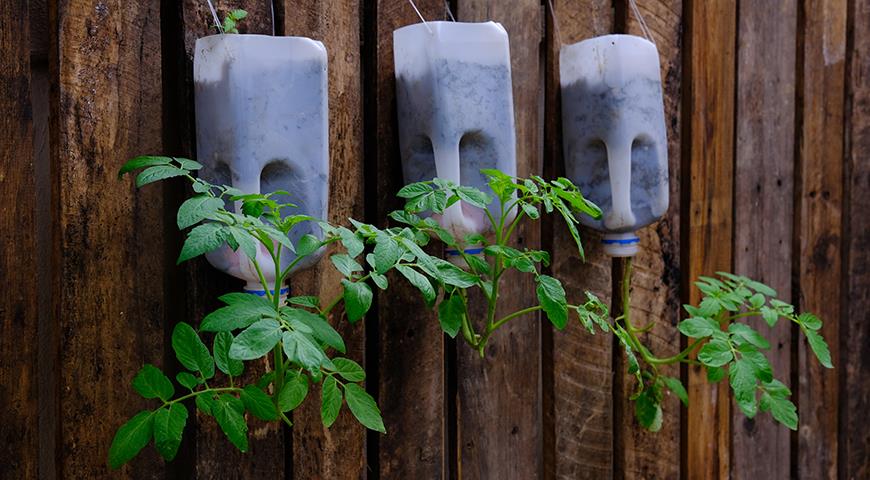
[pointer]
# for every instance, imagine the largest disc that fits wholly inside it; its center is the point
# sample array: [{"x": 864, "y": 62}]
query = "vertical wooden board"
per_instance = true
[
  {"x": 818, "y": 226},
  {"x": 108, "y": 292},
  {"x": 854, "y": 436},
  {"x": 412, "y": 381},
  {"x": 578, "y": 407},
  {"x": 339, "y": 452},
  {"x": 763, "y": 207},
  {"x": 499, "y": 424},
  {"x": 214, "y": 454},
  {"x": 18, "y": 296},
  {"x": 655, "y": 293},
  {"x": 709, "y": 160}
]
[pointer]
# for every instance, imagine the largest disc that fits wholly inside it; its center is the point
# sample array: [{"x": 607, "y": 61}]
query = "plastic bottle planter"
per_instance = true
[
  {"x": 455, "y": 110},
  {"x": 614, "y": 134},
  {"x": 262, "y": 126}
]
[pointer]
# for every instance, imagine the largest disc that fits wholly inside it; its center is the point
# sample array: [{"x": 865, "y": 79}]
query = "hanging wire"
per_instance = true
[
  {"x": 217, "y": 22},
  {"x": 643, "y": 27},
  {"x": 556, "y": 29},
  {"x": 420, "y": 15},
  {"x": 272, "y": 6},
  {"x": 449, "y": 12}
]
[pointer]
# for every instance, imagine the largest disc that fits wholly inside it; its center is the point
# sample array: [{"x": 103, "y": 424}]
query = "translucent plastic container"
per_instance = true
[
  {"x": 455, "y": 110},
  {"x": 262, "y": 126},
  {"x": 615, "y": 141}
]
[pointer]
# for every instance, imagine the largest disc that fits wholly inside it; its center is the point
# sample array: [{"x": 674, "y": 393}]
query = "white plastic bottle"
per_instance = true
[
  {"x": 614, "y": 134},
  {"x": 455, "y": 110},
  {"x": 262, "y": 126}
]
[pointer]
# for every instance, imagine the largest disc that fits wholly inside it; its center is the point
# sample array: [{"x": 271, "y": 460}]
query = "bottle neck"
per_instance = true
[{"x": 621, "y": 244}]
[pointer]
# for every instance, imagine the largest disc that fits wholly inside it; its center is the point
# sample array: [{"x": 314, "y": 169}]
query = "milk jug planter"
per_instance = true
[
  {"x": 614, "y": 134},
  {"x": 262, "y": 127},
  {"x": 455, "y": 111}
]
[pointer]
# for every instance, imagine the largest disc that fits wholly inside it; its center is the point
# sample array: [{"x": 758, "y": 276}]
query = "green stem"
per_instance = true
[
  {"x": 207, "y": 390},
  {"x": 678, "y": 357},
  {"x": 518, "y": 313}
]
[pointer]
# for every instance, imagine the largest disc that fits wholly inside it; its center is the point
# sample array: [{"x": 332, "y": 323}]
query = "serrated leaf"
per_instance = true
[
  {"x": 302, "y": 350},
  {"x": 142, "y": 162},
  {"x": 197, "y": 209},
  {"x": 242, "y": 310},
  {"x": 186, "y": 380},
  {"x": 245, "y": 241},
  {"x": 748, "y": 334},
  {"x": 364, "y": 408},
  {"x": 715, "y": 353},
  {"x": 819, "y": 347},
  {"x": 160, "y": 172},
  {"x": 715, "y": 374},
  {"x": 190, "y": 351},
  {"x": 386, "y": 253},
  {"x": 357, "y": 299},
  {"x": 530, "y": 210},
  {"x": 414, "y": 190},
  {"x": 698, "y": 327},
  {"x": 676, "y": 386},
  {"x": 741, "y": 375},
  {"x": 256, "y": 341},
  {"x": 169, "y": 426},
  {"x": 320, "y": 328},
  {"x": 258, "y": 403},
  {"x": 222, "y": 343},
  {"x": 150, "y": 382},
  {"x": 345, "y": 264},
  {"x": 202, "y": 239},
  {"x": 420, "y": 281},
  {"x": 551, "y": 295},
  {"x": 473, "y": 196},
  {"x": 810, "y": 321},
  {"x": 450, "y": 313},
  {"x": 331, "y": 402},
  {"x": 229, "y": 413},
  {"x": 769, "y": 315},
  {"x": 293, "y": 392},
  {"x": 305, "y": 301},
  {"x": 759, "y": 362},
  {"x": 349, "y": 370},
  {"x": 189, "y": 164},
  {"x": 782, "y": 410},
  {"x": 648, "y": 411},
  {"x": 131, "y": 438}
]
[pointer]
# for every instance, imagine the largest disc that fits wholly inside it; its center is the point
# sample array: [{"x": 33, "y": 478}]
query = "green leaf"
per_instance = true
[
  {"x": 357, "y": 299},
  {"x": 307, "y": 245},
  {"x": 131, "y": 438},
  {"x": 197, "y": 209},
  {"x": 387, "y": 253},
  {"x": 414, "y": 190},
  {"x": 648, "y": 411},
  {"x": 150, "y": 382},
  {"x": 769, "y": 315},
  {"x": 552, "y": 298},
  {"x": 364, "y": 408},
  {"x": 229, "y": 413},
  {"x": 331, "y": 402},
  {"x": 293, "y": 392},
  {"x": 157, "y": 173},
  {"x": 351, "y": 242},
  {"x": 142, "y": 162},
  {"x": 349, "y": 370},
  {"x": 746, "y": 333},
  {"x": 819, "y": 347},
  {"x": 782, "y": 409},
  {"x": 451, "y": 274},
  {"x": 676, "y": 386},
  {"x": 247, "y": 243},
  {"x": 810, "y": 321},
  {"x": 222, "y": 343},
  {"x": 346, "y": 265},
  {"x": 698, "y": 327},
  {"x": 242, "y": 310},
  {"x": 715, "y": 353},
  {"x": 189, "y": 164},
  {"x": 258, "y": 403},
  {"x": 205, "y": 403},
  {"x": 473, "y": 196},
  {"x": 758, "y": 361},
  {"x": 256, "y": 341},
  {"x": 715, "y": 374},
  {"x": 320, "y": 328},
  {"x": 186, "y": 380},
  {"x": 450, "y": 313},
  {"x": 302, "y": 350},
  {"x": 530, "y": 210},
  {"x": 756, "y": 301},
  {"x": 741, "y": 375},
  {"x": 190, "y": 350},
  {"x": 305, "y": 301},
  {"x": 420, "y": 281},
  {"x": 202, "y": 239},
  {"x": 169, "y": 426}
]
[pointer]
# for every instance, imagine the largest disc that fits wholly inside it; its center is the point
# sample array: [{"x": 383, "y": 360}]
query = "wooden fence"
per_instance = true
[{"x": 768, "y": 115}]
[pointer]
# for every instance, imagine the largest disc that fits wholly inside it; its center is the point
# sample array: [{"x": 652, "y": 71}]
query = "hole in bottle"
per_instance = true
[
  {"x": 645, "y": 179},
  {"x": 476, "y": 152}
]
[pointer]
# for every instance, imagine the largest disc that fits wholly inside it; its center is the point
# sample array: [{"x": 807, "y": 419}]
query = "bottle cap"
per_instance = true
[{"x": 621, "y": 244}]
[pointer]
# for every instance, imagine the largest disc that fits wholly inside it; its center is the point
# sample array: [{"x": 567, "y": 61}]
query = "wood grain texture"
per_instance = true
[
  {"x": 655, "y": 293},
  {"x": 212, "y": 454},
  {"x": 18, "y": 261},
  {"x": 818, "y": 226},
  {"x": 578, "y": 379},
  {"x": 410, "y": 342},
  {"x": 763, "y": 207},
  {"x": 854, "y": 437},
  {"x": 109, "y": 264},
  {"x": 499, "y": 397},
  {"x": 709, "y": 163},
  {"x": 338, "y": 452}
]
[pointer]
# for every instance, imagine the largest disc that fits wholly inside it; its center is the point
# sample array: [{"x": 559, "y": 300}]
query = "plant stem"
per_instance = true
[
  {"x": 200, "y": 392},
  {"x": 678, "y": 357}
]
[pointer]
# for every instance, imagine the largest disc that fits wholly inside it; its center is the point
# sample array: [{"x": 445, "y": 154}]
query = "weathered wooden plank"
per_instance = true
[
  {"x": 655, "y": 293},
  {"x": 109, "y": 263},
  {"x": 18, "y": 297},
  {"x": 410, "y": 342},
  {"x": 578, "y": 407},
  {"x": 854, "y": 436},
  {"x": 212, "y": 454},
  {"x": 710, "y": 45},
  {"x": 339, "y": 452},
  {"x": 763, "y": 206},
  {"x": 818, "y": 226},
  {"x": 499, "y": 415}
]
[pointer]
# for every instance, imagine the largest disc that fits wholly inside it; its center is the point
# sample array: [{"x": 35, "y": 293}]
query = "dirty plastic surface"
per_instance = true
[
  {"x": 614, "y": 133},
  {"x": 455, "y": 110},
  {"x": 262, "y": 126}
]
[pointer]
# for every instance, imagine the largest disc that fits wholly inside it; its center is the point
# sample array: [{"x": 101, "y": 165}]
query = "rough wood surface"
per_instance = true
[
  {"x": 577, "y": 368},
  {"x": 818, "y": 226},
  {"x": 499, "y": 401},
  {"x": 854, "y": 368},
  {"x": 655, "y": 294},
  {"x": 108, "y": 292},
  {"x": 18, "y": 260},
  {"x": 410, "y": 343},
  {"x": 709, "y": 110},
  {"x": 338, "y": 452},
  {"x": 763, "y": 207}
]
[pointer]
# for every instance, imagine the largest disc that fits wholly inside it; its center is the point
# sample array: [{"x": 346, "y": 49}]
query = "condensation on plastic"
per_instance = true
[
  {"x": 455, "y": 110},
  {"x": 614, "y": 133},
  {"x": 262, "y": 126}
]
